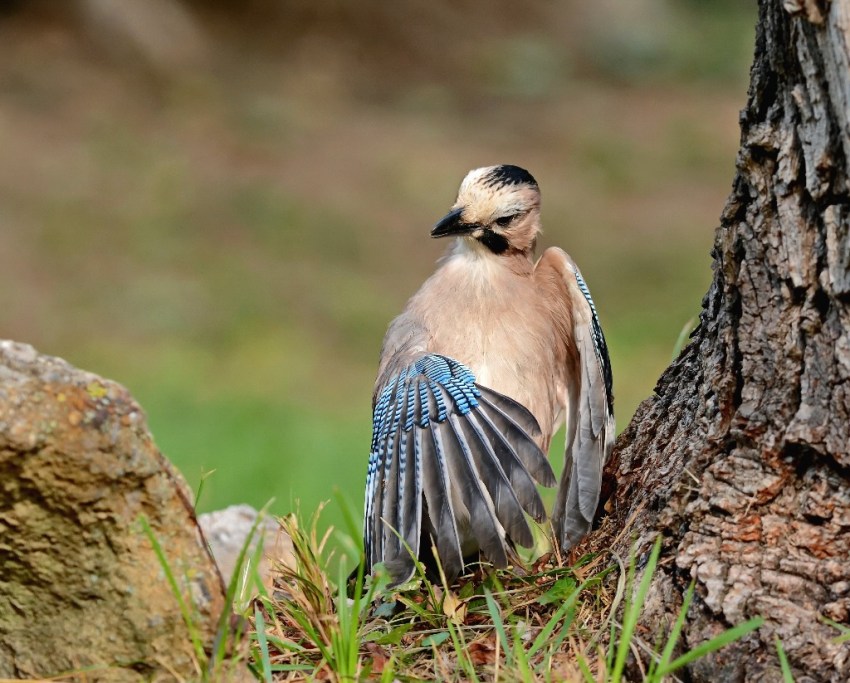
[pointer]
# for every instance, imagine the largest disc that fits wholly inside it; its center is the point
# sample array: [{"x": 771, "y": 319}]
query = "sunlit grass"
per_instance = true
[{"x": 552, "y": 622}]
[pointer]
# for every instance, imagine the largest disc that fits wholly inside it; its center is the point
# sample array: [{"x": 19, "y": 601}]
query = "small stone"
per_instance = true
[{"x": 227, "y": 531}]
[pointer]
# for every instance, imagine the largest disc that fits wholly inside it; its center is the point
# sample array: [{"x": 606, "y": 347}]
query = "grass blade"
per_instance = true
[
  {"x": 845, "y": 632},
  {"x": 787, "y": 676},
  {"x": 585, "y": 669},
  {"x": 223, "y": 629},
  {"x": 687, "y": 328},
  {"x": 546, "y": 631},
  {"x": 188, "y": 617},
  {"x": 461, "y": 651},
  {"x": 200, "y": 490},
  {"x": 633, "y": 608},
  {"x": 496, "y": 616},
  {"x": 712, "y": 645},
  {"x": 675, "y": 632},
  {"x": 262, "y": 644}
]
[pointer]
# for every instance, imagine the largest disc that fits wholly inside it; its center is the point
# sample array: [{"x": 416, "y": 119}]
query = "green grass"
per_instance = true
[
  {"x": 787, "y": 675},
  {"x": 554, "y": 622},
  {"x": 844, "y": 631},
  {"x": 551, "y": 622},
  {"x": 220, "y": 660},
  {"x": 177, "y": 590}
]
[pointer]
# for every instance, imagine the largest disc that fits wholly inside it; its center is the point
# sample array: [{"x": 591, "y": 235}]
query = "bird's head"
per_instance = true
[{"x": 498, "y": 206}]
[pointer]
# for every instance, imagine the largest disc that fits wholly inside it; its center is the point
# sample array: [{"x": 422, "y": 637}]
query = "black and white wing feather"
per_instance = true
[
  {"x": 590, "y": 417},
  {"x": 451, "y": 460}
]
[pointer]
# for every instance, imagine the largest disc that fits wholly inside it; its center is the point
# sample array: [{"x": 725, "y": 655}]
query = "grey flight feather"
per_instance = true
[{"x": 590, "y": 420}]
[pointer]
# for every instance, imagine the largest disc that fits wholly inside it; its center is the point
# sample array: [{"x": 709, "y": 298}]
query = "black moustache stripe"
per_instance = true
[{"x": 495, "y": 242}]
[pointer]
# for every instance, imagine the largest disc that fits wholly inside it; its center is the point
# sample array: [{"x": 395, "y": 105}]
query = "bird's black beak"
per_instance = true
[{"x": 451, "y": 224}]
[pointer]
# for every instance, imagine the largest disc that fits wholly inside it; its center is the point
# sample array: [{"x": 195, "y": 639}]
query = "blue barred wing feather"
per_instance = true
[{"x": 452, "y": 462}]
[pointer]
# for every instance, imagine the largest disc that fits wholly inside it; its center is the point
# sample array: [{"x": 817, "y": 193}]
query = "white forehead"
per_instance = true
[
  {"x": 475, "y": 178},
  {"x": 479, "y": 191}
]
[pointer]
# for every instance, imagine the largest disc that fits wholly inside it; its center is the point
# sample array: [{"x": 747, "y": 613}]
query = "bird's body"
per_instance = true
[
  {"x": 503, "y": 318},
  {"x": 476, "y": 375}
]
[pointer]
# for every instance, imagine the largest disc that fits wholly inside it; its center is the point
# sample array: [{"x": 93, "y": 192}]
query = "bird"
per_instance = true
[{"x": 486, "y": 361}]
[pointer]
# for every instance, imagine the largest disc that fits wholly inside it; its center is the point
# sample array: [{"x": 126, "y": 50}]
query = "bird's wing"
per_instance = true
[
  {"x": 590, "y": 406},
  {"x": 455, "y": 459}
]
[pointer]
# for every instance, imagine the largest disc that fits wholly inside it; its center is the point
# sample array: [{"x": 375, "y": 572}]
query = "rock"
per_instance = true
[
  {"x": 227, "y": 530},
  {"x": 80, "y": 584}
]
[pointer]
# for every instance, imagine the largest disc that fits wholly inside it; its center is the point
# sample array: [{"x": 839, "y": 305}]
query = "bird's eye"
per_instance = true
[{"x": 504, "y": 221}]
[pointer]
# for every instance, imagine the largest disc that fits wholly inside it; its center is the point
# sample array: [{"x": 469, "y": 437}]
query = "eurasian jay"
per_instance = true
[{"x": 484, "y": 364}]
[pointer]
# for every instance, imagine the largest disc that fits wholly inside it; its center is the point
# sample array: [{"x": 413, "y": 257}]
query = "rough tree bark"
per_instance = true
[{"x": 741, "y": 458}]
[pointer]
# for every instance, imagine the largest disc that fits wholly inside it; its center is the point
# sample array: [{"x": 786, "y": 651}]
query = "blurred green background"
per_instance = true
[{"x": 222, "y": 204}]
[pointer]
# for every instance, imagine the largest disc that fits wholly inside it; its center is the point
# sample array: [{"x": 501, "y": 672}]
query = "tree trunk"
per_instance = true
[{"x": 741, "y": 458}]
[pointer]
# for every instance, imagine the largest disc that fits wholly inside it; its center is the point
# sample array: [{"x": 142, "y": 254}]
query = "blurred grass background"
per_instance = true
[{"x": 222, "y": 204}]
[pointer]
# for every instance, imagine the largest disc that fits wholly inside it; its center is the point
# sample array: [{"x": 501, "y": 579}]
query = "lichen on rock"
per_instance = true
[{"x": 80, "y": 584}]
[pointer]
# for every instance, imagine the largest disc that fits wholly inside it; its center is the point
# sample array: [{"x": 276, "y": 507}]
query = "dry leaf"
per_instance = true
[
  {"x": 324, "y": 674},
  {"x": 454, "y": 608},
  {"x": 482, "y": 652},
  {"x": 379, "y": 657}
]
